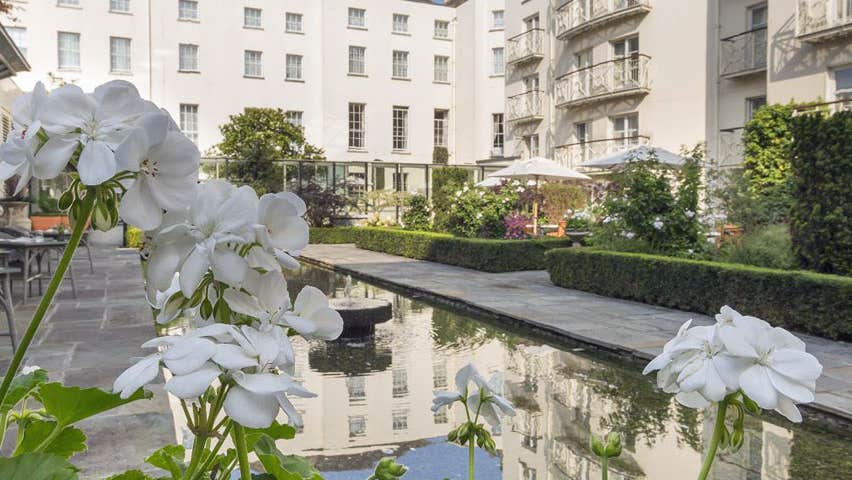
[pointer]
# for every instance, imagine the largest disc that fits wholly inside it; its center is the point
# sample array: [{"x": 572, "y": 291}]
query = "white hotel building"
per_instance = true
[{"x": 489, "y": 80}]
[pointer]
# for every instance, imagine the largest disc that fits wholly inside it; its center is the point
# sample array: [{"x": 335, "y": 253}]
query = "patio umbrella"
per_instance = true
[
  {"x": 538, "y": 168},
  {"x": 641, "y": 153}
]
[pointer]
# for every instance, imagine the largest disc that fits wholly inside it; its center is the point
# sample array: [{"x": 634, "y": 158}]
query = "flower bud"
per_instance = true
[{"x": 609, "y": 448}]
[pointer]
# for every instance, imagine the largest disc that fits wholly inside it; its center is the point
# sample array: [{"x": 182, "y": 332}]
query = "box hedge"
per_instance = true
[
  {"x": 478, "y": 254},
  {"x": 804, "y": 301}
]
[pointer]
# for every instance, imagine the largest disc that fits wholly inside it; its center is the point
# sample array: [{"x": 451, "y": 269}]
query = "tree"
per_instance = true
[{"x": 256, "y": 141}]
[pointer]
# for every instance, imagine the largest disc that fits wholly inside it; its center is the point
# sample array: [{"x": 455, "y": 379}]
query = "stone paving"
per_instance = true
[
  {"x": 88, "y": 342},
  {"x": 619, "y": 325}
]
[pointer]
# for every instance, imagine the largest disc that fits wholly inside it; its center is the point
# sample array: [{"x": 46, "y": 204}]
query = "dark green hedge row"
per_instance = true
[
  {"x": 333, "y": 235},
  {"x": 478, "y": 254},
  {"x": 804, "y": 301},
  {"x": 821, "y": 217}
]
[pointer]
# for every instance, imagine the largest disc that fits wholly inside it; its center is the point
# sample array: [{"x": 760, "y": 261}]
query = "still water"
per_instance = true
[{"x": 375, "y": 396}]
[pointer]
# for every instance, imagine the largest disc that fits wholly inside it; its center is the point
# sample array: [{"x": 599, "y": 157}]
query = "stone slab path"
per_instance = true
[
  {"x": 88, "y": 342},
  {"x": 623, "y": 326}
]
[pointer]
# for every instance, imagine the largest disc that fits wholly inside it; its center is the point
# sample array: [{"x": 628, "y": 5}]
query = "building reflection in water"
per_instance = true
[{"x": 374, "y": 399}]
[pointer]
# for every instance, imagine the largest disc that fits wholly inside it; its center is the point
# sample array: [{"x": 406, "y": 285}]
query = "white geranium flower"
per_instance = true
[
  {"x": 312, "y": 317},
  {"x": 256, "y": 398},
  {"x": 99, "y": 122},
  {"x": 733, "y": 329},
  {"x": 166, "y": 311},
  {"x": 140, "y": 374},
  {"x": 780, "y": 373},
  {"x": 264, "y": 296},
  {"x": 17, "y": 155},
  {"x": 489, "y": 394},
  {"x": 281, "y": 231}
]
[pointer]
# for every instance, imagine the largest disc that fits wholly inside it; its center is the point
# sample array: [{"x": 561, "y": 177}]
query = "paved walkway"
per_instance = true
[
  {"x": 88, "y": 342},
  {"x": 629, "y": 327}
]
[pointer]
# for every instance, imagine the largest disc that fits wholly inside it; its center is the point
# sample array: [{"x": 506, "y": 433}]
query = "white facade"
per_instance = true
[{"x": 206, "y": 60}]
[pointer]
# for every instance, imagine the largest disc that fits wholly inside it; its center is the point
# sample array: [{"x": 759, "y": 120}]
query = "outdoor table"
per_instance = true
[
  {"x": 32, "y": 253},
  {"x": 545, "y": 228},
  {"x": 6, "y": 296},
  {"x": 54, "y": 234}
]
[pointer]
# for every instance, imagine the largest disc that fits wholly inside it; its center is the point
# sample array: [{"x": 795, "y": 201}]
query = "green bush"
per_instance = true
[
  {"x": 769, "y": 247},
  {"x": 805, "y": 301},
  {"x": 134, "y": 237},
  {"x": 560, "y": 198},
  {"x": 478, "y": 254},
  {"x": 440, "y": 156},
  {"x": 821, "y": 218},
  {"x": 445, "y": 182},
  {"x": 767, "y": 140},
  {"x": 333, "y": 235},
  {"x": 480, "y": 211},
  {"x": 418, "y": 215}
]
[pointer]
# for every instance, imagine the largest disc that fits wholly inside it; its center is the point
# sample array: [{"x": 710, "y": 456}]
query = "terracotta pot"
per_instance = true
[{"x": 46, "y": 222}]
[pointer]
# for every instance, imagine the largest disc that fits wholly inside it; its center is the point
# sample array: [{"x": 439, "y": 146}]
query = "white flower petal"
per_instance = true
[
  {"x": 137, "y": 376},
  {"x": 139, "y": 208},
  {"x": 233, "y": 357},
  {"x": 97, "y": 163},
  {"x": 188, "y": 355},
  {"x": 53, "y": 156},
  {"x": 194, "y": 384},
  {"x": 228, "y": 266},
  {"x": 250, "y": 409},
  {"x": 755, "y": 383}
]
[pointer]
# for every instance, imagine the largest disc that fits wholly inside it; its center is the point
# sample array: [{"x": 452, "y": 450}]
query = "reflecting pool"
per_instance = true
[{"x": 375, "y": 396}]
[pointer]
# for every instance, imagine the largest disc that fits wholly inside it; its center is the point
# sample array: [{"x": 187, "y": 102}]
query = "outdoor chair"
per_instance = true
[{"x": 6, "y": 297}]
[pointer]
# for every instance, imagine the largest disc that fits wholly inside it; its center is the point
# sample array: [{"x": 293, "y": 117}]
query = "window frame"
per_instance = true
[
  {"x": 195, "y": 57},
  {"x": 441, "y": 69},
  {"x": 495, "y": 72},
  {"x": 498, "y": 22},
  {"x": 299, "y": 62},
  {"x": 403, "y": 22},
  {"x": 119, "y": 10},
  {"x": 437, "y": 30},
  {"x": 299, "y": 114},
  {"x": 362, "y": 14},
  {"x": 18, "y": 34},
  {"x": 187, "y": 112},
  {"x": 498, "y": 134},
  {"x": 353, "y": 61},
  {"x": 399, "y": 65},
  {"x": 113, "y": 55},
  {"x": 195, "y": 10},
  {"x": 399, "y": 131},
  {"x": 65, "y": 66},
  {"x": 441, "y": 130},
  {"x": 299, "y": 20},
  {"x": 750, "y": 103},
  {"x": 246, "y": 54},
  {"x": 357, "y": 126},
  {"x": 246, "y": 17}
]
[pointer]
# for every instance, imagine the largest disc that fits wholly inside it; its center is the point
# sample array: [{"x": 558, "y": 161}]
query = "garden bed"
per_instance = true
[
  {"x": 478, "y": 254},
  {"x": 808, "y": 302}
]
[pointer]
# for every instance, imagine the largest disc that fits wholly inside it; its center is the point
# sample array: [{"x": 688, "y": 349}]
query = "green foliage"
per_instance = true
[
  {"x": 130, "y": 475},
  {"x": 276, "y": 431},
  {"x": 68, "y": 405},
  {"x": 418, "y": 215},
  {"x": 324, "y": 204},
  {"x": 169, "y": 458},
  {"x": 478, "y": 254},
  {"x": 37, "y": 466},
  {"x": 134, "y": 237},
  {"x": 805, "y": 301},
  {"x": 38, "y": 435},
  {"x": 560, "y": 199},
  {"x": 22, "y": 386},
  {"x": 280, "y": 466},
  {"x": 767, "y": 140},
  {"x": 644, "y": 208},
  {"x": 440, "y": 156},
  {"x": 480, "y": 212},
  {"x": 445, "y": 182},
  {"x": 821, "y": 220},
  {"x": 388, "y": 469},
  {"x": 47, "y": 204},
  {"x": 333, "y": 235},
  {"x": 258, "y": 139},
  {"x": 751, "y": 210},
  {"x": 769, "y": 247}
]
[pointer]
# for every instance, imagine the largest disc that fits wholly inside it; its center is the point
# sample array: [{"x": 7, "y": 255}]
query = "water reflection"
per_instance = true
[{"x": 375, "y": 396}]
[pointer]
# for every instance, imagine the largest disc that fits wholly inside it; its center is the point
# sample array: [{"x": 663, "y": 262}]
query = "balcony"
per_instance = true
[
  {"x": 623, "y": 77},
  {"x": 572, "y": 155},
  {"x": 526, "y": 47},
  {"x": 525, "y": 107},
  {"x": 743, "y": 54},
  {"x": 578, "y": 16},
  {"x": 731, "y": 148},
  {"x": 823, "y": 20}
]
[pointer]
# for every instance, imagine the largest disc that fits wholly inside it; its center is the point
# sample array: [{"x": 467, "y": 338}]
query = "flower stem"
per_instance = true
[
  {"x": 714, "y": 440},
  {"x": 239, "y": 435},
  {"x": 604, "y": 467},
  {"x": 470, "y": 452},
  {"x": 206, "y": 464},
  {"x": 87, "y": 205}
]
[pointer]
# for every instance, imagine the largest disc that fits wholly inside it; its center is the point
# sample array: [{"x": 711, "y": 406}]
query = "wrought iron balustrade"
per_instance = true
[
  {"x": 572, "y": 155},
  {"x": 577, "y": 16},
  {"x": 820, "y": 20},
  {"x": 743, "y": 54},
  {"x": 526, "y": 106},
  {"x": 526, "y": 46},
  {"x": 613, "y": 78}
]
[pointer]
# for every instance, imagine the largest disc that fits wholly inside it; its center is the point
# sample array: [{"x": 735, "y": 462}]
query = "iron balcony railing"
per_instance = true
[
  {"x": 842, "y": 104},
  {"x": 614, "y": 78},
  {"x": 743, "y": 54},
  {"x": 578, "y": 16},
  {"x": 731, "y": 147},
  {"x": 572, "y": 155},
  {"x": 819, "y": 20},
  {"x": 526, "y": 106},
  {"x": 526, "y": 46}
]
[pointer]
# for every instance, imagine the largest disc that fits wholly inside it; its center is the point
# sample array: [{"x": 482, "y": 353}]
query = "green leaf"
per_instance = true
[
  {"x": 280, "y": 466},
  {"x": 169, "y": 458},
  {"x": 388, "y": 469},
  {"x": 131, "y": 475},
  {"x": 37, "y": 466},
  {"x": 276, "y": 431},
  {"x": 21, "y": 387},
  {"x": 66, "y": 443},
  {"x": 72, "y": 404}
]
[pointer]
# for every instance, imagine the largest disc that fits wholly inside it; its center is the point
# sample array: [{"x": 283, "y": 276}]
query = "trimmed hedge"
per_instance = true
[
  {"x": 333, "y": 235},
  {"x": 804, "y": 301},
  {"x": 478, "y": 254}
]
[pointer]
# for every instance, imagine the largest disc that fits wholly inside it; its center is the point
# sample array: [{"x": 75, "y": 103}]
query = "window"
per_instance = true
[
  {"x": 526, "y": 472},
  {"x": 497, "y": 134},
  {"x": 357, "y": 388},
  {"x": 119, "y": 5},
  {"x": 357, "y": 126},
  {"x": 626, "y": 129},
  {"x": 400, "y": 375},
  {"x": 531, "y": 83},
  {"x": 532, "y": 22},
  {"x": 252, "y": 17},
  {"x": 843, "y": 83},
  {"x": 439, "y": 375},
  {"x": 400, "y": 181},
  {"x": 253, "y": 64},
  {"x": 400, "y": 64},
  {"x": 400, "y": 23},
  {"x": 189, "y": 121},
  {"x": 498, "y": 66},
  {"x": 187, "y": 10},
  {"x": 357, "y": 60},
  {"x": 753, "y": 104},
  {"x": 188, "y": 61},
  {"x": 119, "y": 54},
  {"x": 440, "y": 417},
  {"x": 357, "y": 17},
  {"x": 442, "y": 128},
  {"x": 442, "y": 29},
  {"x": 357, "y": 426},
  {"x": 69, "y": 50},
  {"x": 581, "y": 137},
  {"x": 400, "y": 144},
  {"x": 295, "y": 117},
  {"x": 294, "y": 67},
  {"x": 498, "y": 19},
  {"x": 757, "y": 16},
  {"x": 626, "y": 67},
  {"x": 442, "y": 69},
  {"x": 400, "y": 420},
  {"x": 293, "y": 22},
  {"x": 19, "y": 37},
  {"x": 69, "y": 3},
  {"x": 532, "y": 145}
]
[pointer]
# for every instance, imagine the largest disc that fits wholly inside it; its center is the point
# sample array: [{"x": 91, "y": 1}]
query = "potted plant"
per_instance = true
[
  {"x": 15, "y": 208},
  {"x": 49, "y": 216}
]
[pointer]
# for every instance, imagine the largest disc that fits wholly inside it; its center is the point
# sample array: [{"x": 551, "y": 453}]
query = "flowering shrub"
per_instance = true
[
  {"x": 516, "y": 226},
  {"x": 418, "y": 214},
  {"x": 479, "y": 211},
  {"x": 580, "y": 221}
]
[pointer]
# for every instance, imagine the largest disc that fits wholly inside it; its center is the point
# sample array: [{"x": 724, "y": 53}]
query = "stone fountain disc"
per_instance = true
[{"x": 362, "y": 312}]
